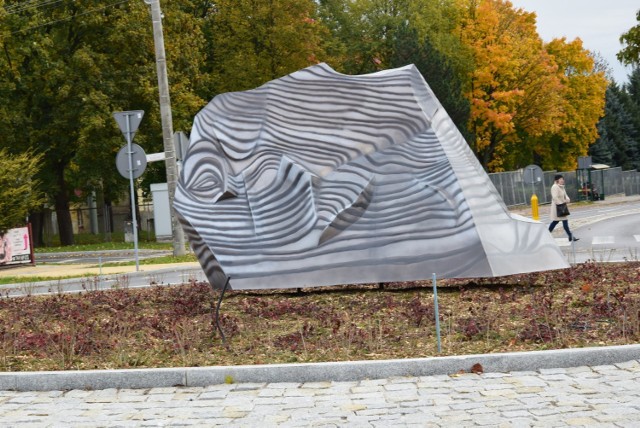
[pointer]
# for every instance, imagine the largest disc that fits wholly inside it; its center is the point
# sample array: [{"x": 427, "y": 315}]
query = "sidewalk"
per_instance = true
[
  {"x": 603, "y": 395},
  {"x": 317, "y": 372},
  {"x": 543, "y": 210}
]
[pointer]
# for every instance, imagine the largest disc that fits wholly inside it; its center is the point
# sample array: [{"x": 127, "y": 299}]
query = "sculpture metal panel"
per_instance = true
[{"x": 320, "y": 178}]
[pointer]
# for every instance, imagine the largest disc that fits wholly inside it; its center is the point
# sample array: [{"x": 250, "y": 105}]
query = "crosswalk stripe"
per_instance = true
[
  {"x": 563, "y": 242},
  {"x": 603, "y": 240},
  {"x": 596, "y": 240}
]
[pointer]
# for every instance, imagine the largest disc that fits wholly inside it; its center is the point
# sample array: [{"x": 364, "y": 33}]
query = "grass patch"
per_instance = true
[
  {"x": 33, "y": 279},
  {"x": 90, "y": 242},
  {"x": 156, "y": 261},
  {"x": 105, "y": 246}
]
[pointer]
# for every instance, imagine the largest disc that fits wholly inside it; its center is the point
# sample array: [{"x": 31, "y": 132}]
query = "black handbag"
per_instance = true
[{"x": 562, "y": 210}]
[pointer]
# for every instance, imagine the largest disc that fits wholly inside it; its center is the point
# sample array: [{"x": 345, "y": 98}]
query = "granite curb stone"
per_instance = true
[{"x": 316, "y": 372}]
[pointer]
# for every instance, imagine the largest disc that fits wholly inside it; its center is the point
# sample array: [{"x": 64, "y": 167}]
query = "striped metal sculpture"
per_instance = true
[{"x": 320, "y": 178}]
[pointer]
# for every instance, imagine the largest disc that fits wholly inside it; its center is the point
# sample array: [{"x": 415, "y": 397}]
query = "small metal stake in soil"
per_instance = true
[{"x": 437, "y": 314}]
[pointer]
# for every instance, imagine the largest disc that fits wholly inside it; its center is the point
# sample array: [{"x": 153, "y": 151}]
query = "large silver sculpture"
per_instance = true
[{"x": 320, "y": 178}]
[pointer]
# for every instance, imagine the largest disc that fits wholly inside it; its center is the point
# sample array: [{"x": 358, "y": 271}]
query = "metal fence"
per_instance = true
[
  {"x": 580, "y": 185},
  {"x": 631, "y": 182},
  {"x": 102, "y": 220},
  {"x": 510, "y": 185}
]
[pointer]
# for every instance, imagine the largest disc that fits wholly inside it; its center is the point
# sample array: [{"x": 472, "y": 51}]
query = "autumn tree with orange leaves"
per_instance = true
[
  {"x": 529, "y": 102},
  {"x": 514, "y": 85},
  {"x": 582, "y": 100}
]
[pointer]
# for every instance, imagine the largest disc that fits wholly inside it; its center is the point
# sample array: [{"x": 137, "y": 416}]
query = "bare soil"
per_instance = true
[{"x": 592, "y": 304}]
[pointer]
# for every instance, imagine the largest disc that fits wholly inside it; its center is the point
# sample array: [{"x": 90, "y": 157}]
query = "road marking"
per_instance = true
[
  {"x": 596, "y": 240},
  {"x": 603, "y": 240},
  {"x": 563, "y": 242}
]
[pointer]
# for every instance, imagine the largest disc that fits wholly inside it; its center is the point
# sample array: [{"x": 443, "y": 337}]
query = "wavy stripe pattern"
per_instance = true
[{"x": 319, "y": 178}]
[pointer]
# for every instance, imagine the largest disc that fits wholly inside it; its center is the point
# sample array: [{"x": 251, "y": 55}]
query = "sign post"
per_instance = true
[{"x": 128, "y": 122}]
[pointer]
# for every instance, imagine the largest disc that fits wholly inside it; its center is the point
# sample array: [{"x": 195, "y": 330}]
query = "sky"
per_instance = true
[{"x": 598, "y": 23}]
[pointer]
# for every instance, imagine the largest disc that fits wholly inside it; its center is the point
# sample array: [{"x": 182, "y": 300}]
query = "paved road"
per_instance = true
[
  {"x": 179, "y": 273},
  {"x": 99, "y": 257},
  {"x": 604, "y": 396},
  {"x": 609, "y": 231}
]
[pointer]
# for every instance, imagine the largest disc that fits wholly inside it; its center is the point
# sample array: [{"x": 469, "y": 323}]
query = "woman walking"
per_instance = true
[{"x": 559, "y": 196}]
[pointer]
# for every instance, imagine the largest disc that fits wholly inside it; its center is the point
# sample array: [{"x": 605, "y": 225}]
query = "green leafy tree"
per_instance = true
[
  {"x": 618, "y": 142},
  {"x": 255, "y": 41},
  {"x": 370, "y": 35},
  {"x": 581, "y": 102},
  {"x": 631, "y": 127},
  {"x": 602, "y": 150},
  {"x": 632, "y": 102},
  {"x": 69, "y": 66},
  {"x": 439, "y": 22},
  {"x": 18, "y": 188},
  {"x": 633, "y": 87},
  {"x": 630, "y": 54},
  {"x": 364, "y": 31},
  {"x": 437, "y": 70}
]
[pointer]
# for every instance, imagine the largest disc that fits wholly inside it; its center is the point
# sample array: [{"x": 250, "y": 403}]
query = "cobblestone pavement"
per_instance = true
[{"x": 604, "y": 396}]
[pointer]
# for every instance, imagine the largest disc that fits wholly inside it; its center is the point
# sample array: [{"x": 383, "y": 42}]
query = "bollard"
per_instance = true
[{"x": 534, "y": 207}]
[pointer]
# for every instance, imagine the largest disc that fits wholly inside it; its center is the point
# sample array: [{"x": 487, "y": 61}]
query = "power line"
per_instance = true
[
  {"x": 19, "y": 7},
  {"x": 70, "y": 17}
]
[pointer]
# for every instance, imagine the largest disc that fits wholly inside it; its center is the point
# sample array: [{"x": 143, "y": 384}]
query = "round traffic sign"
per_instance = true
[
  {"x": 532, "y": 174},
  {"x": 138, "y": 161}
]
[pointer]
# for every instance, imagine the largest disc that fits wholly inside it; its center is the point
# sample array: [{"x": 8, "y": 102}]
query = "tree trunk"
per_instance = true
[
  {"x": 108, "y": 212},
  {"x": 65, "y": 226},
  {"x": 37, "y": 224}
]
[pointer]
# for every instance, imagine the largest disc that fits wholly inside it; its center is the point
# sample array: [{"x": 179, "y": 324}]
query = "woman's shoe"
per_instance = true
[{"x": 574, "y": 239}]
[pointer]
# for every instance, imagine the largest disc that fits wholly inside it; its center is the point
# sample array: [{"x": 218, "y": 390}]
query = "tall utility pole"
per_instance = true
[{"x": 167, "y": 123}]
